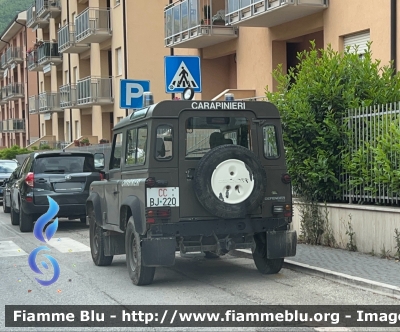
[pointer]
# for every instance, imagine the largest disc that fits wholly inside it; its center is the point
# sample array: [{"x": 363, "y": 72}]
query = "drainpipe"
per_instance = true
[
  {"x": 393, "y": 34},
  {"x": 27, "y": 85},
  {"x": 171, "y": 53},
  {"x": 125, "y": 46},
  {"x": 70, "y": 82}
]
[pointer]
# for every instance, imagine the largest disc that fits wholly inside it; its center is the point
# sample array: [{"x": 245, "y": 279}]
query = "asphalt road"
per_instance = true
[{"x": 230, "y": 280}]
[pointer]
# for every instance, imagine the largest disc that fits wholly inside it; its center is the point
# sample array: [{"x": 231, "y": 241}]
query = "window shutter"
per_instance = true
[{"x": 359, "y": 39}]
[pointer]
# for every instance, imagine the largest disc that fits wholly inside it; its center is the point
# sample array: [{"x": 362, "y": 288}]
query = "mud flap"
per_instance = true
[
  {"x": 158, "y": 251},
  {"x": 281, "y": 244}
]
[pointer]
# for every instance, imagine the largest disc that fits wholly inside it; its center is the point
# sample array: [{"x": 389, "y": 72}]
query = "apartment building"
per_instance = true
[
  {"x": 85, "y": 47},
  {"x": 16, "y": 126}
]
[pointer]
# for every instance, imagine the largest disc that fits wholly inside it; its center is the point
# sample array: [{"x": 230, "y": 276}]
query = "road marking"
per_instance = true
[
  {"x": 10, "y": 249},
  {"x": 331, "y": 329},
  {"x": 65, "y": 244}
]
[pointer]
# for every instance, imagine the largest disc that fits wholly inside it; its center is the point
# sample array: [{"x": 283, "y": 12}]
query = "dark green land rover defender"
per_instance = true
[{"x": 193, "y": 176}]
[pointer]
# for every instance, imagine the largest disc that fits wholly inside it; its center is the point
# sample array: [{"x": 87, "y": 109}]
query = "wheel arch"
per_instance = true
[
  {"x": 130, "y": 207},
  {"x": 93, "y": 202}
]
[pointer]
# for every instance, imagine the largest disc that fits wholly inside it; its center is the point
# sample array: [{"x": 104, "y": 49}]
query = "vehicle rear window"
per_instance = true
[
  {"x": 205, "y": 133},
  {"x": 7, "y": 167},
  {"x": 64, "y": 164}
]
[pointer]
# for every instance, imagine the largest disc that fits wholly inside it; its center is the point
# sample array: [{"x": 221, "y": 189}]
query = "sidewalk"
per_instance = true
[{"x": 360, "y": 270}]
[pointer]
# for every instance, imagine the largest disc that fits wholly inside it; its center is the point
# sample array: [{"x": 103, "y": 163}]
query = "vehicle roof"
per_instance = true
[
  {"x": 53, "y": 153},
  {"x": 172, "y": 109},
  {"x": 8, "y": 161}
]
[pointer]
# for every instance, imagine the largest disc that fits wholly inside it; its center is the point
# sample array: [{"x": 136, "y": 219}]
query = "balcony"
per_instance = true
[
  {"x": 67, "y": 40},
  {"x": 3, "y": 61},
  {"x": 47, "y": 8},
  {"x": 68, "y": 96},
  {"x": 269, "y": 13},
  {"x": 33, "y": 21},
  {"x": 32, "y": 59},
  {"x": 3, "y": 94},
  {"x": 14, "y": 91},
  {"x": 33, "y": 105},
  {"x": 93, "y": 25},
  {"x": 16, "y": 125},
  {"x": 4, "y": 126},
  {"x": 48, "y": 54},
  {"x": 14, "y": 55},
  {"x": 186, "y": 25},
  {"x": 49, "y": 102},
  {"x": 94, "y": 91}
]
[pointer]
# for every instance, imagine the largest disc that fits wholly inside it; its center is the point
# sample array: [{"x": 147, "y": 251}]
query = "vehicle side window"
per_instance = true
[
  {"x": 136, "y": 146},
  {"x": 270, "y": 142},
  {"x": 164, "y": 143},
  {"x": 115, "y": 160}
]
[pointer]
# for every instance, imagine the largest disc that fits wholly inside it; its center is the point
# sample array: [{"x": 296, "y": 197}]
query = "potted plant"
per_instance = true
[
  {"x": 104, "y": 141},
  {"x": 85, "y": 141},
  {"x": 207, "y": 14},
  {"x": 76, "y": 142}
]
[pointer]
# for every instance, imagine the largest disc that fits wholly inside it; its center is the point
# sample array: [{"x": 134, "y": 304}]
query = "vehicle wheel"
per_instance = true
[
  {"x": 263, "y": 264},
  {"x": 6, "y": 209},
  {"x": 230, "y": 181},
  {"x": 14, "y": 216},
  {"x": 211, "y": 255},
  {"x": 25, "y": 221},
  {"x": 97, "y": 243},
  {"x": 139, "y": 274}
]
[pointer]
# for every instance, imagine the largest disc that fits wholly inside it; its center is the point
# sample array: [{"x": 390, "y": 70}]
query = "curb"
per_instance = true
[{"x": 346, "y": 279}]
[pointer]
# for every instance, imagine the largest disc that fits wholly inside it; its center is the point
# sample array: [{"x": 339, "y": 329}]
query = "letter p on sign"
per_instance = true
[{"x": 131, "y": 93}]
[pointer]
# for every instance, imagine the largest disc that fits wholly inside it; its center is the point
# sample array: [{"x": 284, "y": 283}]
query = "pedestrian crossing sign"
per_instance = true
[{"x": 182, "y": 72}]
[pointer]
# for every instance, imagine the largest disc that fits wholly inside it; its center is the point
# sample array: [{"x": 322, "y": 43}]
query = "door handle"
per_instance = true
[{"x": 115, "y": 192}]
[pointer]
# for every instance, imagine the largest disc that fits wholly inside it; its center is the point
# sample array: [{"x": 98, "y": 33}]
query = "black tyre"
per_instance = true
[
  {"x": 263, "y": 264},
  {"x": 14, "y": 216},
  {"x": 211, "y": 255},
  {"x": 139, "y": 274},
  {"x": 230, "y": 181},
  {"x": 96, "y": 235},
  {"x": 6, "y": 209},
  {"x": 25, "y": 221}
]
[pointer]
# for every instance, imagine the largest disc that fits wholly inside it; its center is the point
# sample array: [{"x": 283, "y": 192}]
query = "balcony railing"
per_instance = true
[
  {"x": 93, "y": 25},
  {"x": 48, "y": 54},
  {"x": 33, "y": 104},
  {"x": 31, "y": 16},
  {"x": 3, "y": 95},
  {"x": 3, "y": 61},
  {"x": 67, "y": 40},
  {"x": 14, "y": 55},
  {"x": 45, "y": 7},
  {"x": 49, "y": 102},
  {"x": 95, "y": 91},
  {"x": 4, "y": 125},
  {"x": 68, "y": 96},
  {"x": 14, "y": 91},
  {"x": 186, "y": 24},
  {"x": 269, "y": 13},
  {"x": 18, "y": 125},
  {"x": 32, "y": 59}
]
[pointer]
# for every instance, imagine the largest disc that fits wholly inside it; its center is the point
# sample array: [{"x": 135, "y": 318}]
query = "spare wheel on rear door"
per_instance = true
[{"x": 230, "y": 181}]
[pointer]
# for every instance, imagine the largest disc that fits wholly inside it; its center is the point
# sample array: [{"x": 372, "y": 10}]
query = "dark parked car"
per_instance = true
[
  {"x": 64, "y": 176},
  {"x": 6, "y": 189},
  {"x": 6, "y": 168}
]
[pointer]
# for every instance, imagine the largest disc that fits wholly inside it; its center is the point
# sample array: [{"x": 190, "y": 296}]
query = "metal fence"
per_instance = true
[{"x": 373, "y": 155}]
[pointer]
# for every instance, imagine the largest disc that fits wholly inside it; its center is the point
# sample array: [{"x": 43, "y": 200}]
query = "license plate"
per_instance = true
[{"x": 162, "y": 197}]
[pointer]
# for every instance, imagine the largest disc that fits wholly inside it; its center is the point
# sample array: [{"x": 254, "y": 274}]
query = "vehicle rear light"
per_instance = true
[
  {"x": 29, "y": 199},
  {"x": 101, "y": 176},
  {"x": 164, "y": 213},
  {"x": 288, "y": 210},
  {"x": 29, "y": 179},
  {"x": 150, "y": 220},
  {"x": 161, "y": 213},
  {"x": 286, "y": 179},
  {"x": 150, "y": 182}
]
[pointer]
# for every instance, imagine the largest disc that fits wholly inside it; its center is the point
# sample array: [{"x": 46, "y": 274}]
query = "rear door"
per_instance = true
[{"x": 64, "y": 177}]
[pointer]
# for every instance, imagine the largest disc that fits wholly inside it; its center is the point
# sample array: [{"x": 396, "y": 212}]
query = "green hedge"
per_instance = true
[{"x": 313, "y": 99}]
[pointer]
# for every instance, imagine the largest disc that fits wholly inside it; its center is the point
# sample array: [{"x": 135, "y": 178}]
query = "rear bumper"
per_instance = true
[{"x": 66, "y": 211}]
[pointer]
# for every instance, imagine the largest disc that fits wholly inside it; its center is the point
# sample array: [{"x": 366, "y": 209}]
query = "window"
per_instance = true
[
  {"x": 66, "y": 77},
  {"x": 205, "y": 133},
  {"x": 118, "y": 61},
  {"x": 77, "y": 133},
  {"x": 64, "y": 164},
  {"x": 115, "y": 160},
  {"x": 74, "y": 74},
  {"x": 164, "y": 143},
  {"x": 357, "y": 43},
  {"x": 117, "y": 2},
  {"x": 67, "y": 133},
  {"x": 136, "y": 146},
  {"x": 270, "y": 142}
]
